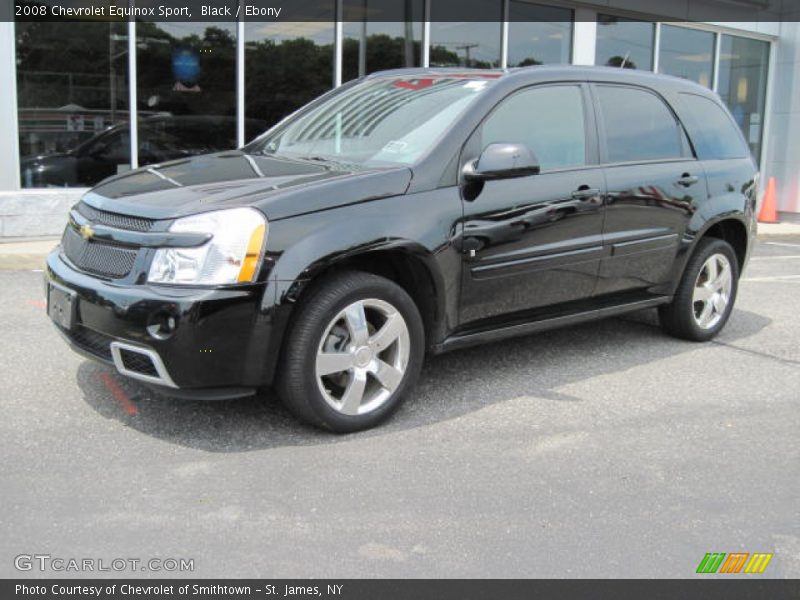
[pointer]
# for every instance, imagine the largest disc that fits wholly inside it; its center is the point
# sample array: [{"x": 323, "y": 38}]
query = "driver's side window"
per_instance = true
[{"x": 549, "y": 120}]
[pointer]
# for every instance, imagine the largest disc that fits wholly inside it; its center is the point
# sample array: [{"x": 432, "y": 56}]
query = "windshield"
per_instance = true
[{"x": 379, "y": 121}]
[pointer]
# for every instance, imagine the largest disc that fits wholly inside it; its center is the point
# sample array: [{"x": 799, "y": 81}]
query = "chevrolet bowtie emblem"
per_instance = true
[{"x": 86, "y": 232}]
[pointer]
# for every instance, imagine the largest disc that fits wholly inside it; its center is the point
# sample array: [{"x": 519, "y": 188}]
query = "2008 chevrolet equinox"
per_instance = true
[{"x": 411, "y": 211}]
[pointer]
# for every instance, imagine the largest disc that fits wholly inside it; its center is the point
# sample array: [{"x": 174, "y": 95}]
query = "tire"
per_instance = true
[
  {"x": 367, "y": 331},
  {"x": 703, "y": 301}
]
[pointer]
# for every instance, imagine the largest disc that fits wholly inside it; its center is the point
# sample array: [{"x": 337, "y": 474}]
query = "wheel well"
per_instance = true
[
  {"x": 733, "y": 232},
  {"x": 401, "y": 267}
]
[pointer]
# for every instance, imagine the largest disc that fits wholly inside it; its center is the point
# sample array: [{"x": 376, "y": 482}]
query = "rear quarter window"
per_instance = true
[
  {"x": 638, "y": 125},
  {"x": 713, "y": 132}
]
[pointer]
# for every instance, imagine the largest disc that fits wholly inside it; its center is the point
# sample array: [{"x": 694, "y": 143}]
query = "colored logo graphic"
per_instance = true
[
  {"x": 186, "y": 66},
  {"x": 716, "y": 562}
]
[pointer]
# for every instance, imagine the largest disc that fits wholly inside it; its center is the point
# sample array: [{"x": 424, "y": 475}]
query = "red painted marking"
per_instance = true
[
  {"x": 118, "y": 393},
  {"x": 418, "y": 85},
  {"x": 38, "y": 303}
]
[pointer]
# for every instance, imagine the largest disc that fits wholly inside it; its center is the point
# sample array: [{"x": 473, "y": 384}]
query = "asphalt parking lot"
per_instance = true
[{"x": 601, "y": 450}]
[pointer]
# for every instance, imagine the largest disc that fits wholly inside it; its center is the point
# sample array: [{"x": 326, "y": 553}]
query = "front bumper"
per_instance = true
[{"x": 219, "y": 347}]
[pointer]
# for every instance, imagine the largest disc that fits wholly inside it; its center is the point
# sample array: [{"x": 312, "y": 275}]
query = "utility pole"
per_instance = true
[{"x": 466, "y": 48}]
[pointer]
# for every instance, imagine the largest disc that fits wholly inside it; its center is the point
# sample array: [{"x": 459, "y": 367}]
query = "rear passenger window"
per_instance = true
[
  {"x": 638, "y": 125},
  {"x": 712, "y": 131},
  {"x": 549, "y": 120}
]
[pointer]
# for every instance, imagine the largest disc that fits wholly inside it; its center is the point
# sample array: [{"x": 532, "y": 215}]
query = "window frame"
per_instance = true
[
  {"x": 684, "y": 141},
  {"x": 591, "y": 150}
]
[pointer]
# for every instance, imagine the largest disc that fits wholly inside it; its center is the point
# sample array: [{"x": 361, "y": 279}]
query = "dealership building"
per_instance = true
[{"x": 80, "y": 101}]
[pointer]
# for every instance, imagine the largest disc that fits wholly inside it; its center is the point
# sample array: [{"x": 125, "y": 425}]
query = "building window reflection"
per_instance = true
[
  {"x": 286, "y": 65},
  {"x": 186, "y": 96},
  {"x": 687, "y": 53},
  {"x": 624, "y": 43},
  {"x": 743, "y": 67},
  {"x": 72, "y": 78},
  {"x": 538, "y": 34},
  {"x": 72, "y": 86},
  {"x": 376, "y": 46},
  {"x": 462, "y": 44}
]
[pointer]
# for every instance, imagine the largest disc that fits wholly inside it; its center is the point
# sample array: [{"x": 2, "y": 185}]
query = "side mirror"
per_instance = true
[{"x": 502, "y": 161}]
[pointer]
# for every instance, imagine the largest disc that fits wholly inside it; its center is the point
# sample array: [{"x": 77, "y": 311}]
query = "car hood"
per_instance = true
[
  {"x": 280, "y": 187},
  {"x": 45, "y": 159}
]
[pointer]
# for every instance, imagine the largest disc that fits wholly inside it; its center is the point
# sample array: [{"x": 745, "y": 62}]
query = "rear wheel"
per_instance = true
[
  {"x": 356, "y": 346},
  {"x": 704, "y": 299}
]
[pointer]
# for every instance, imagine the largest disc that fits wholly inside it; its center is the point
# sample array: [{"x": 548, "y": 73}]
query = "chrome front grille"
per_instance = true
[
  {"x": 104, "y": 258},
  {"x": 98, "y": 258},
  {"x": 110, "y": 219}
]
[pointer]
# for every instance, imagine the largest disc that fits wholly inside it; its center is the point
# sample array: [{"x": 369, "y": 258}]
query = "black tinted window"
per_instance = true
[
  {"x": 115, "y": 147},
  {"x": 638, "y": 125},
  {"x": 549, "y": 120},
  {"x": 712, "y": 131}
]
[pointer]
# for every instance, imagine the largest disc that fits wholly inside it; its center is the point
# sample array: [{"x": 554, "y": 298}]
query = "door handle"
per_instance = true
[
  {"x": 585, "y": 193},
  {"x": 686, "y": 180}
]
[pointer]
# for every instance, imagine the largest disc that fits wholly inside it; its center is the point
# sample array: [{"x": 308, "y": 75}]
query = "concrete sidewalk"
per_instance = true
[
  {"x": 25, "y": 255},
  {"x": 28, "y": 254}
]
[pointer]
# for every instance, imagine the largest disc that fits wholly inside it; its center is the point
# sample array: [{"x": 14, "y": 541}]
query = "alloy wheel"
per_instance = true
[
  {"x": 712, "y": 291},
  {"x": 362, "y": 356}
]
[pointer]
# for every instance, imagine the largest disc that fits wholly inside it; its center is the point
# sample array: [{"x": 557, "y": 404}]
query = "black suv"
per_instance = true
[{"x": 412, "y": 211}]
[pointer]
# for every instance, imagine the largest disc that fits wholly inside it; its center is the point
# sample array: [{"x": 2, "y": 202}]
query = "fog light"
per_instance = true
[{"x": 161, "y": 325}]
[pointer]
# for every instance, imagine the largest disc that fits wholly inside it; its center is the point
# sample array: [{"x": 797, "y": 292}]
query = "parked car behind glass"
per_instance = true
[{"x": 161, "y": 138}]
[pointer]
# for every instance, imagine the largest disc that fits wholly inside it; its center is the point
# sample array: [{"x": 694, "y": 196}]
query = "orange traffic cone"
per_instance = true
[{"x": 769, "y": 212}]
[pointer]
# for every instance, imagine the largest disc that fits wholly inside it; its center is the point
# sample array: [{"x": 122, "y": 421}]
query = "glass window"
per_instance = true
[
  {"x": 638, "y": 125},
  {"x": 548, "y": 120},
  {"x": 538, "y": 34},
  {"x": 287, "y": 65},
  {"x": 72, "y": 85},
  {"x": 713, "y": 133},
  {"x": 743, "y": 66},
  {"x": 461, "y": 44},
  {"x": 187, "y": 82},
  {"x": 371, "y": 45},
  {"x": 374, "y": 46},
  {"x": 687, "y": 53},
  {"x": 383, "y": 121},
  {"x": 624, "y": 43}
]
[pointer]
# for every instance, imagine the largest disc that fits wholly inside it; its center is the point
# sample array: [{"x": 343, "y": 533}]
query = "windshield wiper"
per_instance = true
[
  {"x": 315, "y": 158},
  {"x": 327, "y": 159},
  {"x": 320, "y": 158}
]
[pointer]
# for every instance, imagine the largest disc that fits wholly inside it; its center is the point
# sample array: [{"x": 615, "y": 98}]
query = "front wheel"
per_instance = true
[
  {"x": 355, "y": 347},
  {"x": 705, "y": 296}
]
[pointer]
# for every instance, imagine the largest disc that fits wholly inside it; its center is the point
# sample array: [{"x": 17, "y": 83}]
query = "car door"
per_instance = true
[
  {"x": 534, "y": 241},
  {"x": 654, "y": 185}
]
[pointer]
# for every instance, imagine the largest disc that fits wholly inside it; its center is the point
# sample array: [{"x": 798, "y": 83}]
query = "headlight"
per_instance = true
[{"x": 231, "y": 256}]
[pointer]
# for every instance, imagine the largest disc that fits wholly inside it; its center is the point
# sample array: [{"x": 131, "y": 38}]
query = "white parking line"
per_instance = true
[
  {"x": 786, "y": 278},
  {"x": 788, "y": 256},
  {"x": 787, "y": 244}
]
